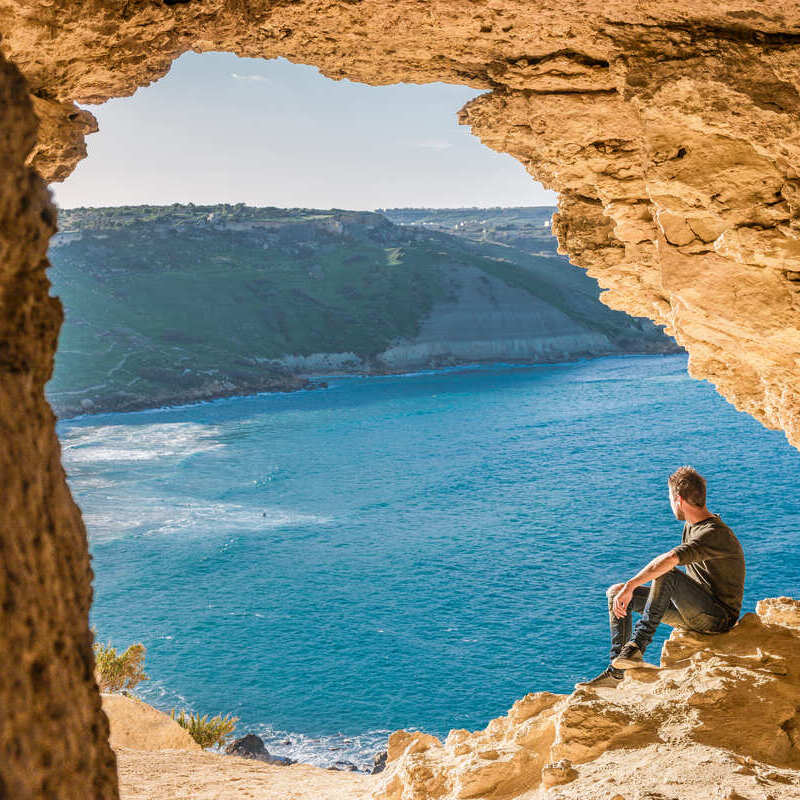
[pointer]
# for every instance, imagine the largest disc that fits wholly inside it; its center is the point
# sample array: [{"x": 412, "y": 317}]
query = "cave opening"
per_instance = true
[
  {"x": 220, "y": 522},
  {"x": 185, "y": 125},
  {"x": 674, "y": 243}
]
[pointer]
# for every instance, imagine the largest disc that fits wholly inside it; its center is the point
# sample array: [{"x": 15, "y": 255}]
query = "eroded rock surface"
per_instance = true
[
  {"x": 721, "y": 716},
  {"x": 53, "y": 735},
  {"x": 669, "y": 130}
]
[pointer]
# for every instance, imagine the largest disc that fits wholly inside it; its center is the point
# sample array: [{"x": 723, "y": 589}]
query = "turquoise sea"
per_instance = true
[{"x": 409, "y": 551}]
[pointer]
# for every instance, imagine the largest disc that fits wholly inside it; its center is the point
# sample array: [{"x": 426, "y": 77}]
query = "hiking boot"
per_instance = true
[
  {"x": 609, "y": 678},
  {"x": 629, "y": 657}
]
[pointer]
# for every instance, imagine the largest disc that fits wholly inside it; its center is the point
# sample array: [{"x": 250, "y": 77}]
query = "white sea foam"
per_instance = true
[
  {"x": 113, "y": 512},
  {"x": 86, "y": 482},
  {"x": 176, "y": 515},
  {"x": 324, "y": 751},
  {"x": 125, "y": 443}
]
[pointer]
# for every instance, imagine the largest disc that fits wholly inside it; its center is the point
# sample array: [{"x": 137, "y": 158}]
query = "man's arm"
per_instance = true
[{"x": 657, "y": 567}]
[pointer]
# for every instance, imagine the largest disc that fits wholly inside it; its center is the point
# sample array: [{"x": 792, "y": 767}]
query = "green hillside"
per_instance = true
[{"x": 171, "y": 304}]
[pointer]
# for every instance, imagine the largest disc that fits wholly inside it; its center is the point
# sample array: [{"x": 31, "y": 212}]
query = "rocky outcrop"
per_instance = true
[
  {"x": 252, "y": 746},
  {"x": 720, "y": 718},
  {"x": 677, "y": 196},
  {"x": 139, "y": 726},
  {"x": 379, "y": 762},
  {"x": 670, "y": 133}
]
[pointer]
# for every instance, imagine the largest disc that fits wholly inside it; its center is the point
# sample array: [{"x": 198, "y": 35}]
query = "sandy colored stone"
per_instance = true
[
  {"x": 687, "y": 113},
  {"x": 139, "y": 726},
  {"x": 407, "y": 742},
  {"x": 723, "y": 711},
  {"x": 558, "y": 773},
  {"x": 184, "y": 775},
  {"x": 53, "y": 735},
  {"x": 158, "y": 760},
  {"x": 779, "y": 611}
]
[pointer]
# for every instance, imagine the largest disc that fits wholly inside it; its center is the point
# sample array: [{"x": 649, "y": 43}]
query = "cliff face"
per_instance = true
[
  {"x": 720, "y": 719},
  {"x": 670, "y": 132},
  {"x": 488, "y": 320}
]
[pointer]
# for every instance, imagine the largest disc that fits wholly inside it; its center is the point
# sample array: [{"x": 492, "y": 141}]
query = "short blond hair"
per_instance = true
[{"x": 689, "y": 484}]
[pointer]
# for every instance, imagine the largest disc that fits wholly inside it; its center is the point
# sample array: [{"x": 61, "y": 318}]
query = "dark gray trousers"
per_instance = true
[{"x": 674, "y": 599}]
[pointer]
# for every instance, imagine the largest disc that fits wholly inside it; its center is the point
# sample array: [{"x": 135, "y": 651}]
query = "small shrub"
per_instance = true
[
  {"x": 206, "y": 732},
  {"x": 116, "y": 672}
]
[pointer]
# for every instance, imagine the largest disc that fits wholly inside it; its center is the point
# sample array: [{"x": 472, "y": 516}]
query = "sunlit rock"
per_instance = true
[
  {"x": 686, "y": 111},
  {"x": 137, "y": 725},
  {"x": 729, "y": 704}
]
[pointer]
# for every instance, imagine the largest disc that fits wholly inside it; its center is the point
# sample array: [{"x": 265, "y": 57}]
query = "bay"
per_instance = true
[{"x": 406, "y": 551}]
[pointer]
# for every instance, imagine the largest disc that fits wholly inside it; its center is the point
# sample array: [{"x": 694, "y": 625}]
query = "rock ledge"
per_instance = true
[{"x": 720, "y": 719}]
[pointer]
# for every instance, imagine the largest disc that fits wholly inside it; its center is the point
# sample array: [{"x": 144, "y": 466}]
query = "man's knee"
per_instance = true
[{"x": 611, "y": 592}]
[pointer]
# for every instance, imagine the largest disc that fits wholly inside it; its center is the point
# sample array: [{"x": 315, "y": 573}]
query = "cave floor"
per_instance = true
[{"x": 187, "y": 775}]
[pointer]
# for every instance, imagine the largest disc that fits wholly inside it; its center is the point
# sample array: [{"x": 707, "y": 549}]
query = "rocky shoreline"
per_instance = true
[
  {"x": 252, "y": 746},
  {"x": 135, "y": 724},
  {"x": 672, "y": 732},
  {"x": 216, "y": 390},
  {"x": 311, "y": 381}
]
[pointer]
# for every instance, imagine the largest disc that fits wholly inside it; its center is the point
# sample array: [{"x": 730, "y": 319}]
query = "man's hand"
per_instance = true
[
  {"x": 621, "y": 600},
  {"x": 657, "y": 567}
]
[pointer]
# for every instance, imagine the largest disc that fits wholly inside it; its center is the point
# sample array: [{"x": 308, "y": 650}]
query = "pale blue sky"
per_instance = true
[{"x": 223, "y": 129}]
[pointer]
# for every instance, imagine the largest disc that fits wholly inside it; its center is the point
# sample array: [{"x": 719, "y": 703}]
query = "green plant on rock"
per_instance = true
[
  {"x": 117, "y": 672},
  {"x": 206, "y": 732}
]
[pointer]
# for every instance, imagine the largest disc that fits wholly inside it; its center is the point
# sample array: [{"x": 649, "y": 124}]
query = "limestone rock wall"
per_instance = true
[
  {"x": 675, "y": 197},
  {"x": 669, "y": 130},
  {"x": 53, "y": 736}
]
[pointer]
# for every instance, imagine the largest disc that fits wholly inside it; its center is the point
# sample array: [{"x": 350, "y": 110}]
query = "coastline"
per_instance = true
[{"x": 316, "y": 381}]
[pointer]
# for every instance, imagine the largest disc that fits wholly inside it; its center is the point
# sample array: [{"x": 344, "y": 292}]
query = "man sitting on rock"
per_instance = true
[{"x": 707, "y": 598}]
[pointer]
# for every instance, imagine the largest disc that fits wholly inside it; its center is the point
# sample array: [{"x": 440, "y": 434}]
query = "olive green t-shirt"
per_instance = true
[{"x": 714, "y": 558}]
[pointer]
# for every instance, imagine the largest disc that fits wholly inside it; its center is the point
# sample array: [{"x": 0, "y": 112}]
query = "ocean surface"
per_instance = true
[{"x": 409, "y": 551}]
